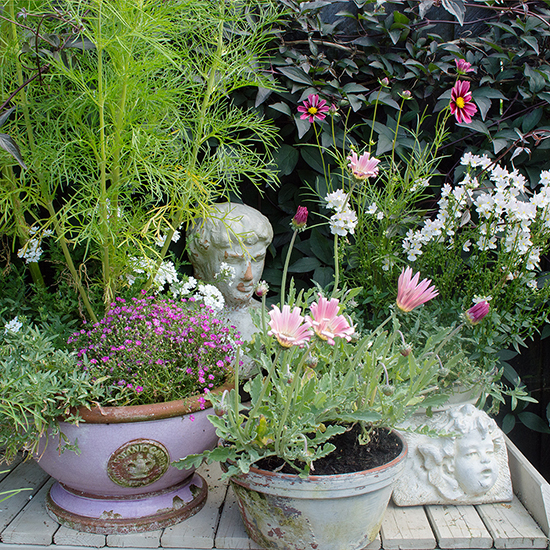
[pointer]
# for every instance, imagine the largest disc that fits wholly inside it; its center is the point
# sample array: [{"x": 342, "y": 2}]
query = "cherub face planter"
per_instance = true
[{"x": 466, "y": 464}]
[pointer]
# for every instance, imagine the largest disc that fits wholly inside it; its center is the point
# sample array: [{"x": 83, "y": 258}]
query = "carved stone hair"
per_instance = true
[{"x": 229, "y": 223}]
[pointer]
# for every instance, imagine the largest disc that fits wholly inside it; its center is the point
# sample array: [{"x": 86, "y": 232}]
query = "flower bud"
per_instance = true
[
  {"x": 384, "y": 82},
  {"x": 476, "y": 313},
  {"x": 299, "y": 220},
  {"x": 406, "y": 94},
  {"x": 406, "y": 351},
  {"x": 387, "y": 389},
  {"x": 262, "y": 288}
]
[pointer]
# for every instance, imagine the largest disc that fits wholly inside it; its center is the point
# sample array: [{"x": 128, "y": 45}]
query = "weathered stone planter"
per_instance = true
[
  {"x": 333, "y": 512},
  {"x": 121, "y": 480}
]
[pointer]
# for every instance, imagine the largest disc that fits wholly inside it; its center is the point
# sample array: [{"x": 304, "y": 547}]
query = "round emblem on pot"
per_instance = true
[{"x": 138, "y": 463}]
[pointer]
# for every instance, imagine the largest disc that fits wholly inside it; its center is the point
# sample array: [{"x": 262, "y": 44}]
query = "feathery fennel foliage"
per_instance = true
[{"x": 124, "y": 121}]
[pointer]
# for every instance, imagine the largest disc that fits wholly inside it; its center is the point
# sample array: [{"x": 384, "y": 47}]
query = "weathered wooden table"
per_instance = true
[{"x": 523, "y": 523}]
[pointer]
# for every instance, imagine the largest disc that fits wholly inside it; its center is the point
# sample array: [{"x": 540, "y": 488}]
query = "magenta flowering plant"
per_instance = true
[{"x": 152, "y": 349}]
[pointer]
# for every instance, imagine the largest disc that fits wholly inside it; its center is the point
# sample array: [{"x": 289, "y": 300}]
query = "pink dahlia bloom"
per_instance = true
[
  {"x": 363, "y": 167},
  {"x": 461, "y": 105},
  {"x": 411, "y": 293},
  {"x": 289, "y": 327},
  {"x": 326, "y": 322},
  {"x": 463, "y": 67},
  {"x": 314, "y": 108},
  {"x": 477, "y": 312}
]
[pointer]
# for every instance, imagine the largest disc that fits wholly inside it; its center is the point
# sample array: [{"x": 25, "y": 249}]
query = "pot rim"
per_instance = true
[
  {"x": 329, "y": 477},
  {"x": 141, "y": 413}
]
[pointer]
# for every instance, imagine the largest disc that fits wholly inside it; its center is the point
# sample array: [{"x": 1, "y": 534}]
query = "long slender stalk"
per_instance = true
[
  {"x": 103, "y": 206},
  {"x": 199, "y": 136},
  {"x": 285, "y": 269}
]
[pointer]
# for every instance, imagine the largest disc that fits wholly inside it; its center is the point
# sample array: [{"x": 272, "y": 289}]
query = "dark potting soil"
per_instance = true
[{"x": 349, "y": 455}]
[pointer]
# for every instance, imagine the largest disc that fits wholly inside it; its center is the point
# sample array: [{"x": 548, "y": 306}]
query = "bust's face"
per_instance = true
[
  {"x": 475, "y": 466},
  {"x": 248, "y": 263}
]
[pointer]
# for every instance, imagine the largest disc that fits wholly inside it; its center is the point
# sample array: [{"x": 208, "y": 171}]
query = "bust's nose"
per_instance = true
[{"x": 248, "y": 273}]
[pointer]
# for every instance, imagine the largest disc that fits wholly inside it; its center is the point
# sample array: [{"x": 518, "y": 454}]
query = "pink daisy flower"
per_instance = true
[
  {"x": 363, "y": 167},
  {"x": 326, "y": 322},
  {"x": 314, "y": 108},
  {"x": 461, "y": 105},
  {"x": 289, "y": 327},
  {"x": 411, "y": 293}
]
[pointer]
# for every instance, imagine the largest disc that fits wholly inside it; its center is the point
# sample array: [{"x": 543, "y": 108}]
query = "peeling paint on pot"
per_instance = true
[{"x": 336, "y": 512}]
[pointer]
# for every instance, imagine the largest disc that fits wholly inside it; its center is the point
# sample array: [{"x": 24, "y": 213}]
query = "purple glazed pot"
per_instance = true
[{"x": 121, "y": 480}]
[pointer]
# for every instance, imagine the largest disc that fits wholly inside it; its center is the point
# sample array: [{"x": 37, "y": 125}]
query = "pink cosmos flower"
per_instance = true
[
  {"x": 299, "y": 220},
  {"x": 363, "y": 167},
  {"x": 463, "y": 67},
  {"x": 289, "y": 327},
  {"x": 326, "y": 322},
  {"x": 477, "y": 312},
  {"x": 461, "y": 104},
  {"x": 314, "y": 108},
  {"x": 411, "y": 293}
]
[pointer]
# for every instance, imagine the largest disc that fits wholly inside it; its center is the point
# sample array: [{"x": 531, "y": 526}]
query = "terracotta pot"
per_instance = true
[
  {"x": 121, "y": 479},
  {"x": 333, "y": 512}
]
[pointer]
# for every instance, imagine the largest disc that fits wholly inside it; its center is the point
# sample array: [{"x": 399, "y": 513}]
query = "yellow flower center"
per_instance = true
[
  {"x": 460, "y": 102},
  {"x": 312, "y": 110}
]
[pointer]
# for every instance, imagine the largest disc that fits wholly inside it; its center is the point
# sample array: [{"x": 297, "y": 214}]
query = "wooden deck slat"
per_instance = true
[
  {"x": 150, "y": 539},
  {"x": 70, "y": 537},
  {"x": 27, "y": 474},
  {"x": 231, "y": 533},
  {"x": 406, "y": 528},
  {"x": 25, "y": 524},
  {"x": 530, "y": 487},
  {"x": 458, "y": 527},
  {"x": 33, "y": 525},
  {"x": 199, "y": 530},
  {"x": 511, "y": 526}
]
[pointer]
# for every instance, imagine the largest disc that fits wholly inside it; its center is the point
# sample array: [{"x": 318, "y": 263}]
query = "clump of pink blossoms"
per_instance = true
[{"x": 154, "y": 350}]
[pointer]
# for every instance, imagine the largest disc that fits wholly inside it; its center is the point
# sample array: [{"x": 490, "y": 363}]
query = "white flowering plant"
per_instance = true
[{"x": 483, "y": 241}]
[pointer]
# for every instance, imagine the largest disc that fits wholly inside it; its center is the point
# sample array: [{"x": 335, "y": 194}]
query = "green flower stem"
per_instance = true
[
  {"x": 21, "y": 226},
  {"x": 68, "y": 258},
  {"x": 336, "y": 266},
  {"x": 200, "y": 138},
  {"x": 108, "y": 295},
  {"x": 267, "y": 381},
  {"x": 285, "y": 269},
  {"x": 290, "y": 398}
]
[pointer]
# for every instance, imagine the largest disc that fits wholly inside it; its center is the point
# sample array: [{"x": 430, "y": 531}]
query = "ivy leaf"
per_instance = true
[
  {"x": 303, "y": 126},
  {"x": 532, "y": 41},
  {"x": 456, "y": 8},
  {"x": 304, "y": 265},
  {"x": 286, "y": 158},
  {"x": 5, "y": 115},
  {"x": 533, "y": 422},
  {"x": 7, "y": 143},
  {"x": 424, "y": 6},
  {"x": 296, "y": 75}
]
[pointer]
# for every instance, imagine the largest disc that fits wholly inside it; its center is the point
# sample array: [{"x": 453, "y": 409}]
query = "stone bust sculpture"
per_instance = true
[
  {"x": 234, "y": 238},
  {"x": 467, "y": 464}
]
